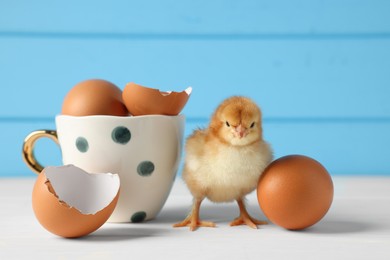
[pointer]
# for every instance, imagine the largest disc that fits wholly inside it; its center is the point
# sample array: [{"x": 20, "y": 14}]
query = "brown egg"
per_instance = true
[
  {"x": 94, "y": 97},
  {"x": 295, "y": 192},
  {"x": 141, "y": 100},
  {"x": 71, "y": 203}
]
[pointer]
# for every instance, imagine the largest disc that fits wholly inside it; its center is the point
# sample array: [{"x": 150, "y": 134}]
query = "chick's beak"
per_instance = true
[{"x": 240, "y": 131}]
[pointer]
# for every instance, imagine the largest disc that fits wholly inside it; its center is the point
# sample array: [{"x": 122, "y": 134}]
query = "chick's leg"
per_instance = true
[
  {"x": 245, "y": 218},
  {"x": 192, "y": 220}
]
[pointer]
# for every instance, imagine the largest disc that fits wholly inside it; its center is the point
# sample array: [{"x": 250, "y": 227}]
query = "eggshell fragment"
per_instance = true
[
  {"x": 295, "y": 192},
  {"x": 70, "y": 202},
  {"x": 141, "y": 100},
  {"x": 94, "y": 97}
]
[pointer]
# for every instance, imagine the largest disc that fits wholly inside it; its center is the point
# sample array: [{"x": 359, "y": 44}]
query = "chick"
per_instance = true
[{"x": 224, "y": 161}]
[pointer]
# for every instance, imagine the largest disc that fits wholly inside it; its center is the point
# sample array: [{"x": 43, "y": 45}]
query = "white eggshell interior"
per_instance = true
[
  {"x": 167, "y": 93},
  {"x": 89, "y": 193},
  {"x": 188, "y": 90}
]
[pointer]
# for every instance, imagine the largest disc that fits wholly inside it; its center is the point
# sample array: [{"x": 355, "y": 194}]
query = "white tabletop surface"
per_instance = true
[{"x": 356, "y": 227}]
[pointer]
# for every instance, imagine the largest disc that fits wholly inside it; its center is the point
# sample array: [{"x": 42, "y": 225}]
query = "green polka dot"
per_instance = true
[
  {"x": 138, "y": 217},
  {"x": 82, "y": 144},
  {"x": 121, "y": 135},
  {"x": 145, "y": 168}
]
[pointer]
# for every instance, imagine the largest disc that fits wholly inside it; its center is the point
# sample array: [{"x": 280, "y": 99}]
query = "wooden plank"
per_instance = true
[
  {"x": 289, "y": 79},
  {"x": 343, "y": 148},
  {"x": 319, "y": 69},
  {"x": 196, "y": 17}
]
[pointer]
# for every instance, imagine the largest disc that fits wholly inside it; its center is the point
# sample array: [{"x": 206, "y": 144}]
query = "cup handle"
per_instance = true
[{"x": 29, "y": 144}]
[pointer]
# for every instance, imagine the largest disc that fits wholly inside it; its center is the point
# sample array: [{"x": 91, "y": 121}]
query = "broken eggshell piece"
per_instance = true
[
  {"x": 70, "y": 202},
  {"x": 141, "y": 100}
]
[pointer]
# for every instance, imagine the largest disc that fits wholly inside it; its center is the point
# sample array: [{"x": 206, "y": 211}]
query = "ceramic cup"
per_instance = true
[{"x": 145, "y": 151}]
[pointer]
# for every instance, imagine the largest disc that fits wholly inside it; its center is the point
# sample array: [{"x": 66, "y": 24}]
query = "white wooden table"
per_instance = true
[{"x": 356, "y": 227}]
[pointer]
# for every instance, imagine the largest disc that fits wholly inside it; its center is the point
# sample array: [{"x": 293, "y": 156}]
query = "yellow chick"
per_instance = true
[{"x": 223, "y": 162}]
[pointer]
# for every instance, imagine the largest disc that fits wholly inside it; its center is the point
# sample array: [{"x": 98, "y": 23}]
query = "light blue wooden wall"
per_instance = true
[{"x": 320, "y": 70}]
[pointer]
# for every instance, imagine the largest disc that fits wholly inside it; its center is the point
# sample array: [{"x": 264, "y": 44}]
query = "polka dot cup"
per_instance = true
[{"x": 145, "y": 151}]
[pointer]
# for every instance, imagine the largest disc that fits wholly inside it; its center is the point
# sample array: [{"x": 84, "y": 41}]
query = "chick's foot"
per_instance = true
[
  {"x": 193, "y": 220},
  {"x": 194, "y": 223},
  {"x": 245, "y": 218}
]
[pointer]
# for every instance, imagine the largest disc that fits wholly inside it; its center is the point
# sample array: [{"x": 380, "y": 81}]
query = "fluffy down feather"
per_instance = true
[{"x": 224, "y": 161}]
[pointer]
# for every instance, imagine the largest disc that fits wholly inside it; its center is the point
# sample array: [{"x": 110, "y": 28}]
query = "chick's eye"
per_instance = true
[
  {"x": 253, "y": 124},
  {"x": 227, "y": 123}
]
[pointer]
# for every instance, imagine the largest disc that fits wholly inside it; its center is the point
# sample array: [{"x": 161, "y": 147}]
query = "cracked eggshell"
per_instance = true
[
  {"x": 70, "y": 202},
  {"x": 141, "y": 100}
]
